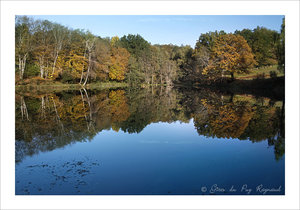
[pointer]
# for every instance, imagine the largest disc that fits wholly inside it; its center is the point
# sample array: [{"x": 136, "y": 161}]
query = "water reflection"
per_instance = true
[{"x": 47, "y": 121}]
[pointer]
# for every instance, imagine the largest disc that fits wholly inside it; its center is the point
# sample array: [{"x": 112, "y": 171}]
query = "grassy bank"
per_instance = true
[
  {"x": 53, "y": 87},
  {"x": 263, "y": 72},
  {"x": 258, "y": 82}
]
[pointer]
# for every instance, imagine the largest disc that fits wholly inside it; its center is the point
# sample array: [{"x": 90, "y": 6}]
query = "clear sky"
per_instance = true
[{"x": 160, "y": 29}]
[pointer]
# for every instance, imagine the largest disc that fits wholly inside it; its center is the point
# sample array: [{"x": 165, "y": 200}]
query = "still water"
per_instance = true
[{"x": 157, "y": 141}]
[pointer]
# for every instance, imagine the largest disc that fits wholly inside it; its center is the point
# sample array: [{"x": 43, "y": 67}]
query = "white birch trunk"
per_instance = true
[
  {"x": 41, "y": 64},
  {"x": 81, "y": 78},
  {"x": 22, "y": 63},
  {"x": 88, "y": 70},
  {"x": 54, "y": 63}
]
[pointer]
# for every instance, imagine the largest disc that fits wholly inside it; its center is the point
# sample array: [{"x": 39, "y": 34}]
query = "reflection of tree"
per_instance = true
[
  {"x": 244, "y": 118},
  {"x": 279, "y": 141},
  {"x": 24, "y": 109},
  {"x": 263, "y": 125},
  {"x": 223, "y": 121},
  {"x": 118, "y": 106},
  {"x": 152, "y": 105},
  {"x": 48, "y": 121}
]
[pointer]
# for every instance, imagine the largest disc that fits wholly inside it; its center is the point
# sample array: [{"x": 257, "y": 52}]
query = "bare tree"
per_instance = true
[
  {"x": 23, "y": 40},
  {"x": 42, "y": 39},
  {"x": 90, "y": 44},
  {"x": 59, "y": 35}
]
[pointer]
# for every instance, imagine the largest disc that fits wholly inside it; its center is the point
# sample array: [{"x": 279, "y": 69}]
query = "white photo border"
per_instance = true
[{"x": 11, "y": 8}]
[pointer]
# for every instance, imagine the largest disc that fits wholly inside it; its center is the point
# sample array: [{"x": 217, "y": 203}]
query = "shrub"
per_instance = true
[
  {"x": 31, "y": 70},
  {"x": 273, "y": 74},
  {"x": 260, "y": 76},
  {"x": 66, "y": 77}
]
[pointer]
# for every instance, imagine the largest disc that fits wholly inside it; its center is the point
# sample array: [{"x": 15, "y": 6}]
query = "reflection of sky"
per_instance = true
[
  {"x": 162, "y": 132},
  {"x": 163, "y": 158},
  {"x": 160, "y": 29}
]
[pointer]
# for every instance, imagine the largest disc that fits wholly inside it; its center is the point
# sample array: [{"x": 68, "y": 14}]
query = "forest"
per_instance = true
[{"x": 48, "y": 53}]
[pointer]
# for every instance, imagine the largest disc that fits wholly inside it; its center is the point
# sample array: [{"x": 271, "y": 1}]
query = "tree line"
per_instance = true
[{"x": 50, "y": 51}]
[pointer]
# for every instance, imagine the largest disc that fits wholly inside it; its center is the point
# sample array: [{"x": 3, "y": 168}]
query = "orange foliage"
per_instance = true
[
  {"x": 230, "y": 54},
  {"x": 118, "y": 63},
  {"x": 118, "y": 106}
]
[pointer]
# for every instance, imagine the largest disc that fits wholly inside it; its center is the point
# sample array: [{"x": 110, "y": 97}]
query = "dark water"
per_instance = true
[{"x": 159, "y": 141}]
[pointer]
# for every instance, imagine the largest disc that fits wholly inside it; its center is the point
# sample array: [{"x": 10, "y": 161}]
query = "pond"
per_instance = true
[{"x": 150, "y": 141}]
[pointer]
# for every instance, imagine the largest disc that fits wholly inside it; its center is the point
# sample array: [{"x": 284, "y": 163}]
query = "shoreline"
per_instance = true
[{"x": 262, "y": 87}]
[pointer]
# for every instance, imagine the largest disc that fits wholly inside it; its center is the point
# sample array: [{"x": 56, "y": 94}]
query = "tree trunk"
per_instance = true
[
  {"x": 42, "y": 72},
  {"x": 231, "y": 97},
  {"x": 41, "y": 63},
  {"x": 232, "y": 75},
  {"x": 88, "y": 70},
  {"x": 54, "y": 63},
  {"x": 47, "y": 71},
  {"x": 81, "y": 77},
  {"x": 22, "y": 63},
  {"x": 20, "y": 67}
]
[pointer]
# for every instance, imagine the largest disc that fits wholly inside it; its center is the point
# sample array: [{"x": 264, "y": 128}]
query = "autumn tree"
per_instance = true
[
  {"x": 230, "y": 54},
  {"x": 115, "y": 41},
  {"x": 118, "y": 63},
  {"x": 103, "y": 58},
  {"x": 55, "y": 51},
  {"x": 77, "y": 63}
]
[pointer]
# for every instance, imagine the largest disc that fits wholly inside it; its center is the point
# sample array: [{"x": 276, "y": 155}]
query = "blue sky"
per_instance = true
[{"x": 164, "y": 29}]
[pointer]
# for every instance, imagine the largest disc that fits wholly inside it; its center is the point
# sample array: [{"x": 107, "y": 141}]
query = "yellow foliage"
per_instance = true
[
  {"x": 77, "y": 63},
  {"x": 114, "y": 40},
  {"x": 230, "y": 53},
  {"x": 118, "y": 106},
  {"x": 118, "y": 64}
]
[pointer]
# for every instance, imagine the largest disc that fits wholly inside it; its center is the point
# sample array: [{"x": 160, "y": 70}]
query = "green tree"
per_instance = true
[
  {"x": 207, "y": 40},
  {"x": 263, "y": 44},
  {"x": 281, "y": 47}
]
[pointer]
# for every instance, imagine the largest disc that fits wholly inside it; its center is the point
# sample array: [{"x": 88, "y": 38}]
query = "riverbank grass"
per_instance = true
[{"x": 263, "y": 72}]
